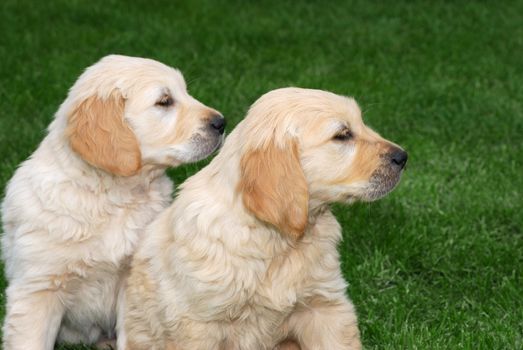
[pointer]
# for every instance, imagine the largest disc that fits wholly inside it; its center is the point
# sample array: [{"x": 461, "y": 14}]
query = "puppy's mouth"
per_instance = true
[
  {"x": 204, "y": 146},
  {"x": 382, "y": 182}
]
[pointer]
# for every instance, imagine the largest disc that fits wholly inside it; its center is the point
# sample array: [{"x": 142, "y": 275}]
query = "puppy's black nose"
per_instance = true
[
  {"x": 399, "y": 157},
  {"x": 218, "y": 123}
]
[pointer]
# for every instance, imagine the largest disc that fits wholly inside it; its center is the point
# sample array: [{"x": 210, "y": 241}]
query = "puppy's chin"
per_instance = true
[
  {"x": 381, "y": 183},
  {"x": 198, "y": 148}
]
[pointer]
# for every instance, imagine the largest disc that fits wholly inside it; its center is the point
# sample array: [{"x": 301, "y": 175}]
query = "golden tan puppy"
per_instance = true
[
  {"x": 245, "y": 258},
  {"x": 74, "y": 211}
]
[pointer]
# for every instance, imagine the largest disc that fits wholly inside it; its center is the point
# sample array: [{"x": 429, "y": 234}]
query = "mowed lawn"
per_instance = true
[{"x": 438, "y": 264}]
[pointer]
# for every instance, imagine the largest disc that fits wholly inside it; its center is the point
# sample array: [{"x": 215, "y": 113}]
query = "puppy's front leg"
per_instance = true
[
  {"x": 326, "y": 324},
  {"x": 32, "y": 319}
]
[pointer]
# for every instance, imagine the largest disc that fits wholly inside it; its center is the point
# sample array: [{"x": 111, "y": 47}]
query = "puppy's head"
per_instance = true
[
  {"x": 309, "y": 148},
  {"x": 127, "y": 112}
]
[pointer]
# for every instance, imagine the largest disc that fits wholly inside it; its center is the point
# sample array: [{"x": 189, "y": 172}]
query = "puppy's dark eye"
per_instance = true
[
  {"x": 165, "y": 101},
  {"x": 343, "y": 135}
]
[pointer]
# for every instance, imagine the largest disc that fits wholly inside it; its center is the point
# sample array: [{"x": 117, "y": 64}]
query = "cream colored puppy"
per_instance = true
[
  {"x": 246, "y": 256},
  {"x": 74, "y": 211}
]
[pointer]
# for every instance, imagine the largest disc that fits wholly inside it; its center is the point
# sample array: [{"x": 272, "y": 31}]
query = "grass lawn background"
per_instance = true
[{"x": 435, "y": 265}]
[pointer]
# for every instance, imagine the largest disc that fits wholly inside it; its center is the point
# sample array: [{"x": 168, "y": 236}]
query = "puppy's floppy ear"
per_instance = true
[
  {"x": 98, "y": 133},
  {"x": 274, "y": 188}
]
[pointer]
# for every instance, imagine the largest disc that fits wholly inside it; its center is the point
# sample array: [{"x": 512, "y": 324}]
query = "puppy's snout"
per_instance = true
[
  {"x": 398, "y": 157},
  {"x": 217, "y": 123}
]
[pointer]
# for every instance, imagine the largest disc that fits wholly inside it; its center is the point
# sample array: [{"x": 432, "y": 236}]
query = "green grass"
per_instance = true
[{"x": 435, "y": 265}]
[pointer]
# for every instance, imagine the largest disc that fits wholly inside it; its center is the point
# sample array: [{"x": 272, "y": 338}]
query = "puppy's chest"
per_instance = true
[
  {"x": 270, "y": 290},
  {"x": 110, "y": 231},
  {"x": 107, "y": 250},
  {"x": 125, "y": 223},
  {"x": 257, "y": 303}
]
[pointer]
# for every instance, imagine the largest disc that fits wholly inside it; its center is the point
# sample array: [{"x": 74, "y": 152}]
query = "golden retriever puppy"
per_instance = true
[
  {"x": 246, "y": 256},
  {"x": 75, "y": 210}
]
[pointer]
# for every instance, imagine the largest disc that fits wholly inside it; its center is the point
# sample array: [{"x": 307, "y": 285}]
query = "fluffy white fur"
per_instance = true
[
  {"x": 246, "y": 256},
  {"x": 75, "y": 210}
]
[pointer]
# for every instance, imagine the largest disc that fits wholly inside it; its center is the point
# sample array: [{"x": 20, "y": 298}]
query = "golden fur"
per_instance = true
[{"x": 246, "y": 256}]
